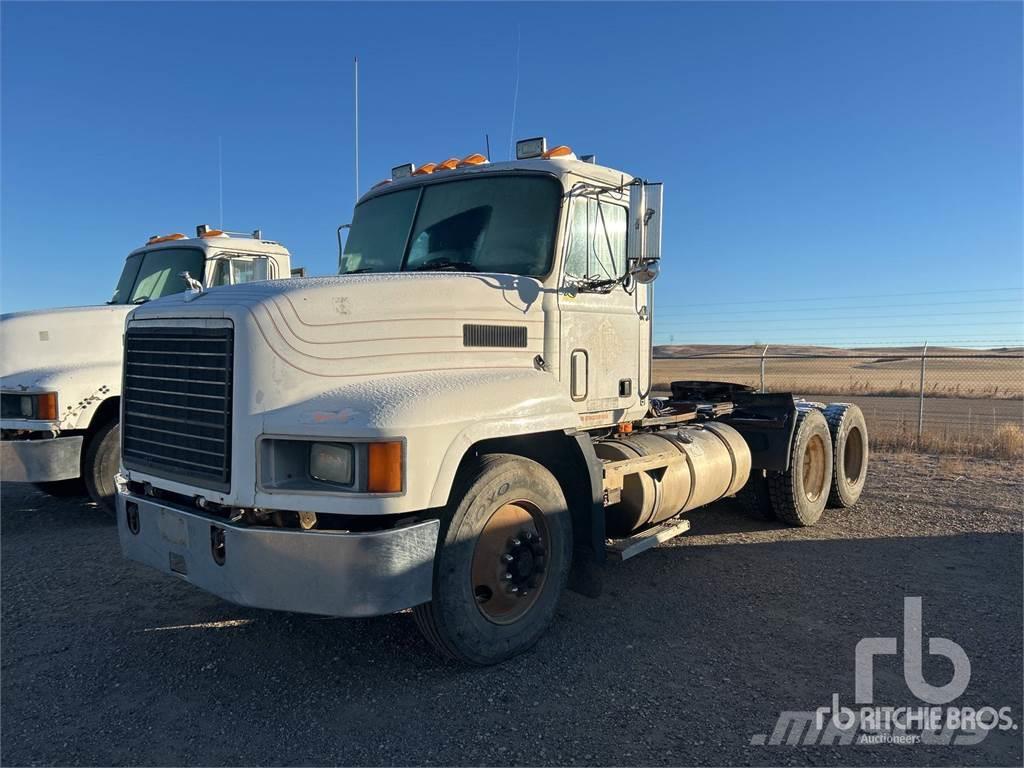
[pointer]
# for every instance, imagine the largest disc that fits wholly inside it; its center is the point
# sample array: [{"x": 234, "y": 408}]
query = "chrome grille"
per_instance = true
[{"x": 177, "y": 403}]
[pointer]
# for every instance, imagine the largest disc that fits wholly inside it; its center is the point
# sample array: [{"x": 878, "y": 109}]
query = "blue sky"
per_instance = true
[{"x": 840, "y": 173}]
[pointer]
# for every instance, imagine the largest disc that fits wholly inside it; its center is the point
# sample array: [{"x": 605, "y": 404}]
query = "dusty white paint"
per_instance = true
[{"x": 372, "y": 356}]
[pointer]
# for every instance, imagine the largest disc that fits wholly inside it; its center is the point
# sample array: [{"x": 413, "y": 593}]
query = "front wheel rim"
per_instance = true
[{"x": 509, "y": 567}]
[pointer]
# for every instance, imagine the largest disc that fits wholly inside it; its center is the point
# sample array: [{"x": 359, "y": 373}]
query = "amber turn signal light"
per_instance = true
[
  {"x": 384, "y": 473},
  {"x": 46, "y": 406}
]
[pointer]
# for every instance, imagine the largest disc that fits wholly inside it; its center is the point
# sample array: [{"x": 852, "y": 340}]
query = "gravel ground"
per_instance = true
[{"x": 692, "y": 649}]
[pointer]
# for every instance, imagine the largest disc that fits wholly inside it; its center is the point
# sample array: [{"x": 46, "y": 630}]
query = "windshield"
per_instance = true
[
  {"x": 489, "y": 224},
  {"x": 153, "y": 274}
]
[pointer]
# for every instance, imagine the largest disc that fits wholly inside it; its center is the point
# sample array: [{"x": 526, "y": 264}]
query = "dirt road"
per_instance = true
[{"x": 692, "y": 650}]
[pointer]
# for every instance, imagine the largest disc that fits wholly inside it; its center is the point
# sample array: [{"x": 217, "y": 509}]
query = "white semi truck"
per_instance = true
[
  {"x": 60, "y": 369},
  {"x": 461, "y": 423}
]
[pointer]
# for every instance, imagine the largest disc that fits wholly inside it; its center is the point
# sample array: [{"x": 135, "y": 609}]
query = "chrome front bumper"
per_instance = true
[
  {"x": 320, "y": 572},
  {"x": 40, "y": 461}
]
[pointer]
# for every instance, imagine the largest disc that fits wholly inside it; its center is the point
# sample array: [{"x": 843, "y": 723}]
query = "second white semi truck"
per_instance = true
[
  {"x": 60, "y": 371},
  {"x": 461, "y": 423}
]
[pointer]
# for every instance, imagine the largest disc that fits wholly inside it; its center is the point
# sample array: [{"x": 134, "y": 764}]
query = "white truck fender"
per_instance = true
[
  {"x": 439, "y": 414},
  {"x": 515, "y": 406}
]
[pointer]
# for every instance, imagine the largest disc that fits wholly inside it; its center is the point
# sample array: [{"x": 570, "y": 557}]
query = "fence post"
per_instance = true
[
  {"x": 920, "y": 402},
  {"x": 763, "y": 353}
]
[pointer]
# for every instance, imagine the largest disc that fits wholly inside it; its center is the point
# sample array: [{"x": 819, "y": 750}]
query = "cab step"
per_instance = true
[{"x": 623, "y": 549}]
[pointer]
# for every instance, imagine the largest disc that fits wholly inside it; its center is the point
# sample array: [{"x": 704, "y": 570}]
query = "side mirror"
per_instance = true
[
  {"x": 341, "y": 248},
  {"x": 646, "y": 272},
  {"x": 645, "y": 209}
]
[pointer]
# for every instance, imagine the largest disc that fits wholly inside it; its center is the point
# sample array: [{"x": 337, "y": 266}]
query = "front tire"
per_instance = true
[
  {"x": 102, "y": 456},
  {"x": 502, "y": 562}
]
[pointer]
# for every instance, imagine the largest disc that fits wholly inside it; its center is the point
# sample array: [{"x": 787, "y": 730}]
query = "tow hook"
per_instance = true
[
  {"x": 217, "y": 547},
  {"x": 131, "y": 513}
]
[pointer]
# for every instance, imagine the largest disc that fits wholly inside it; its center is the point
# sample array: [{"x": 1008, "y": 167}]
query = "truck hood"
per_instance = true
[
  {"x": 355, "y": 327},
  {"x": 74, "y": 351},
  {"x": 437, "y": 360},
  {"x": 49, "y": 339}
]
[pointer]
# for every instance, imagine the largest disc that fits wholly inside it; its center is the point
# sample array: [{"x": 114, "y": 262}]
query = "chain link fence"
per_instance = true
[{"x": 968, "y": 403}]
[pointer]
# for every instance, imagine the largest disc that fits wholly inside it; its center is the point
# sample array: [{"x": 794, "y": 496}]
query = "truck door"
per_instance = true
[{"x": 600, "y": 338}]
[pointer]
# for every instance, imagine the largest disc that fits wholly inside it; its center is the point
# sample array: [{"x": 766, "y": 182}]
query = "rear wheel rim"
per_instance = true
[
  {"x": 510, "y": 562},
  {"x": 853, "y": 456},
  {"x": 814, "y": 468}
]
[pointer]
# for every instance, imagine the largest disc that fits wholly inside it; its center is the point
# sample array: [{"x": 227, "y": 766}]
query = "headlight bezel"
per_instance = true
[
  {"x": 284, "y": 465},
  {"x": 29, "y": 406}
]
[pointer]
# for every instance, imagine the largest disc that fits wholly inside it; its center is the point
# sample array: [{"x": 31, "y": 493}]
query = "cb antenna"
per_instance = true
[
  {"x": 220, "y": 179},
  {"x": 356, "y": 79},
  {"x": 515, "y": 96}
]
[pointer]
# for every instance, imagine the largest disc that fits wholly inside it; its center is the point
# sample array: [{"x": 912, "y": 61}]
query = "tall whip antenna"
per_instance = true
[
  {"x": 515, "y": 96},
  {"x": 356, "y": 75},
  {"x": 220, "y": 179}
]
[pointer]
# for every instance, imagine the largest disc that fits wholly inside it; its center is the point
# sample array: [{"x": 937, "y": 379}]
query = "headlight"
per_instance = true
[
  {"x": 42, "y": 407},
  {"x": 331, "y": 462}
]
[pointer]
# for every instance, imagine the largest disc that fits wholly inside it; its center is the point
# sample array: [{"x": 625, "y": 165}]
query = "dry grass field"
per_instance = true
[
  {"x": 974, "y": 401},
  {"x": 949, "y": 372}
]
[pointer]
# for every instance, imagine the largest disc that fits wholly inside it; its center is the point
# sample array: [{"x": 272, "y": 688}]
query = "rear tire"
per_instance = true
[
  {"x": 799, "y": 494},
  {"x": 506, "y": 509},
  {"x": 63, "y": 489},
  {"x": 850, "y": 451},
  {"x": 102, "y": 457}
]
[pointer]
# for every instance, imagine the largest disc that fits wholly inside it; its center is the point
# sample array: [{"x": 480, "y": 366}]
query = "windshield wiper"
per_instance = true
[
  {"x": 140, "y": 300},
  {"x": 357, "y": 271},
  {"x": 445, "y": 264}
]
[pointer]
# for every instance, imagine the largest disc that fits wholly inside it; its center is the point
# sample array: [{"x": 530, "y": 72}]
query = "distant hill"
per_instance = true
[{"x": 675, "y": 351}]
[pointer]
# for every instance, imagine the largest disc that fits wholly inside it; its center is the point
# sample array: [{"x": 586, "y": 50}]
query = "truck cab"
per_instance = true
[
  {"x": 61, "y": 372},
  {"x": 456, "y": 423}
]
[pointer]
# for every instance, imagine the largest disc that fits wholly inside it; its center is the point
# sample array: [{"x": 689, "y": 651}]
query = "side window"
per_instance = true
[
  {"x": 248, "y": 270},
  {"x": 235, "y": 271},
  {"x": 220, "y": 273},
  {"x": 597, "y": 240}
]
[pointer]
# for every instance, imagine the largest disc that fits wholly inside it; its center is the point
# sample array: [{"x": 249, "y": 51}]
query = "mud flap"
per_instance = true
[
  {"x": 588, "y": 525},
  {"x": 766, "y": 421}
]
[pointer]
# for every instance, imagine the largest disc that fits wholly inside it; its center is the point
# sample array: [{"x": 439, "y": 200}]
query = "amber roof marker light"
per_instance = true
[
  {"x": 165, "y": 238},
  {"x": 470, "y": 160}
]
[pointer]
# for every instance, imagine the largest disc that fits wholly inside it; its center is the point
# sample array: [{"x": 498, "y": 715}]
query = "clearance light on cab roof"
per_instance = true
[
  {"x": 475, "y": 159},
  {"x": 381, "y": 183},
  {"x": 560, "y": 151},
  {"x": 213, "y": 233},
  {"x": 165, "y": 238},
  {"x": 409, "y": 169}
]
